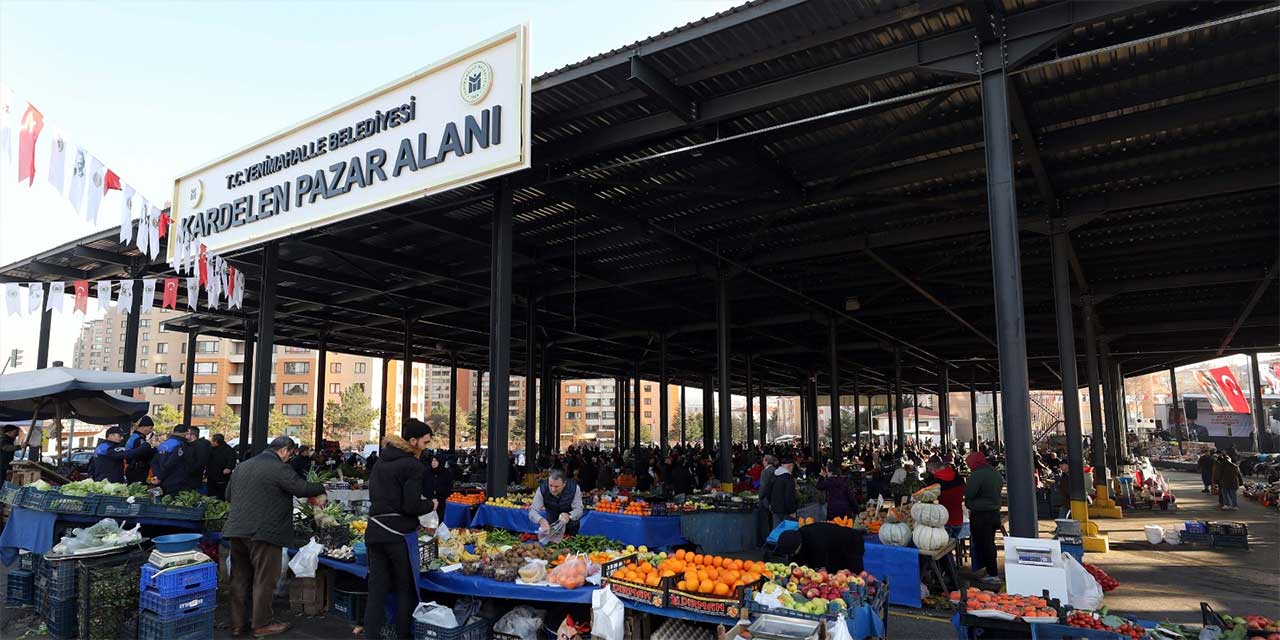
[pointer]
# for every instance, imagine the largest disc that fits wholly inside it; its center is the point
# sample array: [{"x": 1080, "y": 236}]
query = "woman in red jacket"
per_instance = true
[{"x": 952, "y": 496}]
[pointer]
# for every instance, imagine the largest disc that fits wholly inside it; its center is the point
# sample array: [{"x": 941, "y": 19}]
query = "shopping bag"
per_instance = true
[
  {"x": 607, "y": 615},
  {"x": 1083, "y": 591},
  {"x": 304, "y": 563},
  {"x": 435, "y": 614},
  {"x": 429, "y": 521}
]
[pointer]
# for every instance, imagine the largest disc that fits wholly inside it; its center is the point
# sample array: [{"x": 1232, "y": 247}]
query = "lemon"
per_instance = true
[{"x": 644, "y": 549}]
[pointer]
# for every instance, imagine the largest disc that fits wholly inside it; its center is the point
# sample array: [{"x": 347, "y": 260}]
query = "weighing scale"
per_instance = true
[
  {"x": 162, "y": 560},
  {"x": 1032, "y": 565}
]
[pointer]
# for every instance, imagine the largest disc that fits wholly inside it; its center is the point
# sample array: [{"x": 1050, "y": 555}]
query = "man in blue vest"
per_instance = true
[
  {"x": 140, "y": 461},
  {"x": 562, "y": 500},
  {"x": 109, "y": 457},
  {"x": 172, "y": 462}
]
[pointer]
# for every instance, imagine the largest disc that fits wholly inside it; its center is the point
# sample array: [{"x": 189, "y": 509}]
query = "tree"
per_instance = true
[
  {"x": 226, "y": 422},
  {"x": 277, "y": 423},
  {"x": 351, "y": 415},
  {"x": 165, "y": 417}
]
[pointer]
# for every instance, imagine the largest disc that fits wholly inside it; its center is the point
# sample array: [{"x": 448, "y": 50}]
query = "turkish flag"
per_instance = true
[
  {"x": 1224, "y": 393},
  {"x": 231, "y": 281},
  {"x": 82, "y": 295},
  {"x": 170, "y": 294},
  {"x": 112, "y": 181},
  {"x": 164, "y": 222},
  {"x": 32, "y": 123},
  {"x": 203, "y": 266}
]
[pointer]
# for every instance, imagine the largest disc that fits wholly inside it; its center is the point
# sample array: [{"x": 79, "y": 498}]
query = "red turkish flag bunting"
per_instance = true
[
  {"x": 82, "y": 295},
  {"x": 170, "y": 294},
  {"x": 164, "y": 222},
  {"x": 1230, "y": 389},
  {"x": 111, "y": 181},
  {"x": 32, "y": 123},
  {"x": 231, "y": 282},
  {"x": 203, "y": 266}
]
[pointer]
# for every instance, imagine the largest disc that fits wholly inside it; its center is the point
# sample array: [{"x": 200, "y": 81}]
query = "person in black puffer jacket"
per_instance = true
[{"x": 395, "y": 502}]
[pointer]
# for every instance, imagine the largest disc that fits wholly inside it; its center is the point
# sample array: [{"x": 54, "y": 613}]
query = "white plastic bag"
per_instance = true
[
  {"x": 304, "y": 563},
  {"x": 607, "y": 615},
  {"x": 522, "y": 622},
  {"x": 839, "y": 630},
  {"x": 1083, "y": 591},
  {"x": 1155, "y": 533},
  {"x": 1173, "y": 536},
  {"x": 435, "y": 614},
  {"x": 442, "y": 532},
  {"x": 429, "y": 521}
]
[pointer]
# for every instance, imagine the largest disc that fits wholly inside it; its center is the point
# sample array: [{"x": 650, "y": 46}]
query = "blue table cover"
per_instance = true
[
  {"x": 655, "y": 532},
  {"x": 503, "y": 518},
  {"x": 901, "y": 565},
  {"x": 720, "y": 533},
  {"x": 458, "y": 583},
  {"x": 785, "y": 525},
  {"x": 194, "y": 525},
  {"x": 457, "y": 516},
  {"x": 26, "y": 529}
]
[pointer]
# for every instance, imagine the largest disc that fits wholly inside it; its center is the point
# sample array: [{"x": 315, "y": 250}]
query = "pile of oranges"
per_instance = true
[
  {"x": 712, "y": 575},
  {"x": 637, "y": 508},
  {"x": 469, "y": 499},
  {"x": 844, "y": 521},
  {"x": 1030, "y": 606},
  {"x": 804, "y": 521}
]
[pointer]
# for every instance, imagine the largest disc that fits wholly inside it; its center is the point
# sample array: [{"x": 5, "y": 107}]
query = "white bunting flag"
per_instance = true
[
  {"x": 35, "y": 298},
  {"x": 8, "y": 115},
  {"x": 104, "y": 294},
  {"x": 54, "y": 301},
  {"x": 148, "y": 294},
  {"x": 11, "y": 299},
  {"x": 126, "y": 215},
  {"x": 58, "y": 163},
  {"x": 144, "y": 236},
  {"x": 238, "y": 296},
  {"x": 79, "y": 177},
  {"x": 94, "y": 189},
  {"x": 193, "y": 292},
  {"x": 124, "y": 301},
  {"x": 153, "y": 230}
]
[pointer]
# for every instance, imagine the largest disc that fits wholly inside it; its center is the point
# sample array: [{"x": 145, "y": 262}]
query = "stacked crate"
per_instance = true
[{"x": 177, "y": 603}]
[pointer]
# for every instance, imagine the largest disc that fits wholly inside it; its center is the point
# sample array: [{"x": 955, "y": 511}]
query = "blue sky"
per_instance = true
[{"x": 156, "y": 88}]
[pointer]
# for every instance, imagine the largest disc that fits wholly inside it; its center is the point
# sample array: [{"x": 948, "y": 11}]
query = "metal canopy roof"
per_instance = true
[{"x": 818, "y": 152}]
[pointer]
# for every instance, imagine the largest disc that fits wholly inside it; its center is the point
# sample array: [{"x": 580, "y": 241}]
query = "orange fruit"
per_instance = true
[
  {"x": 717, "y": 561},
  {"x": 667, "y": 573},
  {"x": 750, "y": 577},
  {"x": 652, "y": 580},
  {"x": 703, "y": 576},
  {"x": 697, "y": 558},
  {"x": 707, "y": 586},
  {"x": 722, "y": 589}
]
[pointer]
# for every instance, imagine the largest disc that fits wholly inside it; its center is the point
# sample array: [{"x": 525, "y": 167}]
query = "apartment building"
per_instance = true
[{"x": 217, "y": 379}]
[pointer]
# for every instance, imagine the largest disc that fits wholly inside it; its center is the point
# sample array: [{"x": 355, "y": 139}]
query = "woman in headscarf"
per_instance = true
[{"x": 437, "y": 481}]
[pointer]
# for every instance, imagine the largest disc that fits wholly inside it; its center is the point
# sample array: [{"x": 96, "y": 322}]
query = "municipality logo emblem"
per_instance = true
[
  {"x": 476, "y": 81},
  {"x": 195, "y": 193}
]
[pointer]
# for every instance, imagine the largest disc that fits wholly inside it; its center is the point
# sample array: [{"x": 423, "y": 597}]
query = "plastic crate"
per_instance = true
[
  {"x": 1196, "y": 526},
  {"x": 1228, "y": 529},
  {"x": 170, "y": 609},
  {"x": 11, "y": 494},
  {"x": 194, "y": 627},
  {"x": 1231, "y": 541},
  {"x": 428, "y": 552},
  {"x": 57, "y": 579},
  {"x": 349, "y": 605},
  {"x": 1195, "y": 538},
  {"x": 1049, "y": 631},
  {"x": 477, "y": 629},
  {"x": 158, "y": 510},
  {"x": 113, "y": 506},
  {"x": 334, "y": 537},
  {"x": 55, "y": 502},
  {"x": 60, "y": 619},
  {"x": 108, "y": 595},
  {"x": 181, "y": 581},
  {"x": 20, "y": 590},
  {"x": 214, "y": 526}
]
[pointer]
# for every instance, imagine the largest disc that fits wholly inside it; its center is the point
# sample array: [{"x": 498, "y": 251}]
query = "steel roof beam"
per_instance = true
[
  {"x": 1258, "y": 291},
  {"x": 655, "y": 85}
]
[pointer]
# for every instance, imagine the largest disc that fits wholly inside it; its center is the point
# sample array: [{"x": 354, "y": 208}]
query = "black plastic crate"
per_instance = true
[
  {"x": 478, "y": 629},
  {"x": 57, "y": 579},
  {"x": 114, "y": 506},
  {"x": 1195, "y": 538},
  {"x": 194, "y": 627},
  {"x": 1230, "y": 541},
  {"x": 334, "y": 537},
  {"x": 60, "y": 618},
  {"x": 1229, "y": 528},
  {"x": 349, "y": 605},
  {"x": 108, "y": 594},
  {"x": 20, "y": 589},
  {"x": 159, "y": 510}
]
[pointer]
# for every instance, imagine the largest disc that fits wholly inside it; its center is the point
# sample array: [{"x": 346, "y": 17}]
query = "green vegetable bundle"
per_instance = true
[{"x": 587, "y": 544}]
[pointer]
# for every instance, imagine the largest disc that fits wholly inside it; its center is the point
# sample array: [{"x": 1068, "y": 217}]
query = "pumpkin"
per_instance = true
[
  {"x": 929, "y": 538},
  {"x": 928, "y": 494},
  {"x": 896, "y": 534},
  {"x": 929, "y": 514}
]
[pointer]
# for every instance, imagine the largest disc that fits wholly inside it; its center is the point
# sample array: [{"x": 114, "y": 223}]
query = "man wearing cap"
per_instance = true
[
  {"x": 982, "y": 496},
  {"x": 109, "y": 457},
  {"x": 140, "y": 461},
  {"x": 172, "y": 463},
  {"x": 395, "y": 502},
  {"x": 782, "y": 492}
]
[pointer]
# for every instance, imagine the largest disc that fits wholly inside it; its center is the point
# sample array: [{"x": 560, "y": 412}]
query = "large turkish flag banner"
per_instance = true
[{"x": 1225, "y": 394}]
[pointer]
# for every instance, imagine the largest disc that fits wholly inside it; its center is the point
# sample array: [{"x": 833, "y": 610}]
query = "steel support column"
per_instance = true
[
  {"x": 546, "y": 424},
  {"x": 915, "y": 412},
  {"x": 262, "y": 368},
  {"x": 531, "y": 384},
  {"x": 188, "y": 389},
  {"x": 815, "y": 449},
  {"x": 479, "y": 405},
  {"x": 973, "y": 408},
  {"x": 46, "y": 325},
  {"x": 1067, "y": 369},
  {"x": 557, "y": 405},
  {"x": 664, "y": 402},
  {"x": 1259, "y": 410},
  {"x": 897, "y": 393},
  {"x": 246, "y": 389},
  {"x": 132, "y": 324},
  {"x": 725, "y": 457},
  {"x": 764, "y": 415},
  {"x": 322, "y": 360},
  {"x": 1175, "y": 407},
  {"x": 382, "y": 404},
  {"x": 1122, "y": 405},
  {"x": 624, "y": 410},
  {"x": 751, "y": 415},
  {"x": 453, "y": 402},
  {"x": 857, "y": 409},
  {"x": 944, "y": 407},
  {"x": 1109, "y": 411},
  {"x": 708, "y": 415},
  {"x": 636, "y": 432},
  {"x": 500, "y": 338},
  {"x": 684, "y": 414},
  {"x": 837, "y": 444},
  {"x": 406, "y": 370}
]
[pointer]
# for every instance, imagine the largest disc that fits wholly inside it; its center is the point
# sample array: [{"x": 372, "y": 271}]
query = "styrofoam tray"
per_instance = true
[{"x": 993, "y": 614}]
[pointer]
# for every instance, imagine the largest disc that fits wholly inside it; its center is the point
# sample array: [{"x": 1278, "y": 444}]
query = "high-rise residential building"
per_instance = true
[{"x": 218, "y": 377}]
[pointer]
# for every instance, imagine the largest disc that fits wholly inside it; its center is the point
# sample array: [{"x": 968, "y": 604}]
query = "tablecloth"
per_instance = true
[
  {"x": 193, "y": 525},
  {"x": 457, "y": 516},
  {"x": 503, "y": 518},
  {"x": 901, "y": 565},
  {"x": 655, "y": 532},
  {"x": 26, "y": 529},
  {"x": 458, "y": 583},
  {"x": 720, "y": 533}
]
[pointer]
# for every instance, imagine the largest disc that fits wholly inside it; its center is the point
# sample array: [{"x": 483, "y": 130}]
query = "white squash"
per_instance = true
[
  {"x": 896, "y": 534},
  {"x": 928, "y": 538},
  {"x": 929, "y": 514}
]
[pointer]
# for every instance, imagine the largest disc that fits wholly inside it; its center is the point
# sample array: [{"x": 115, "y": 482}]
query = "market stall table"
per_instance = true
[
  {"x": 900, "y": 565},
  {"x": 33, "y": 530},
  {"x": 503, "y": 518},
  {"x": 720, "y": 533},
  {"x": 457, "y": 516},
  {"x": 457, "y": 583},
  {"x": 655, "y": 532}
]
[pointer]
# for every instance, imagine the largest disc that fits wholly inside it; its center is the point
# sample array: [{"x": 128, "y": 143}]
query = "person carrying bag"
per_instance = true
[{"x": 395, "y": 503}]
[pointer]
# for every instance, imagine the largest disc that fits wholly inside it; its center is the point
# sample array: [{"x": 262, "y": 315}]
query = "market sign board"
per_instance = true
[{"x": 461, "y": 120}]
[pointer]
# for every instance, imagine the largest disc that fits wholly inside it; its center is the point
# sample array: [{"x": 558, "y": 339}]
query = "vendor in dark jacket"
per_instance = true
[
  {"x": 395, "y": 502},
  {"x": 782, "y": 492},
  {"x": 834, "y": 482},
  {"x": 259, "y": 524},
  {"x": 171, "y": 464},
  {"x": 8, "y": 447},
  {"x": 139, "y": 463},
  {"x": 952, "y": 494},
  {"x": 109, "y": 457},
  {"x": 199, "y": 450},
  {"x": 222, "y": 460}
]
